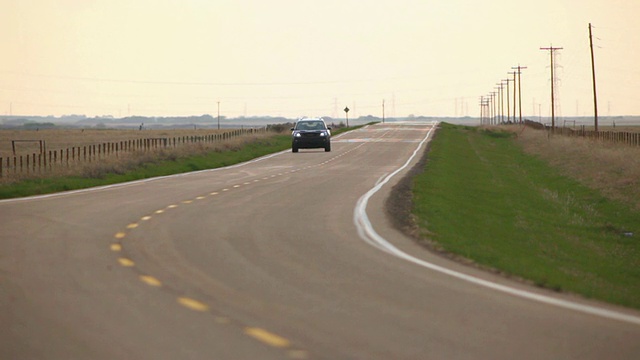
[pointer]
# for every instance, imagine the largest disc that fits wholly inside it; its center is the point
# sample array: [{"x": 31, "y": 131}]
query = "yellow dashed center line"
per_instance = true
[
  {"x": 267, "y": 337},
  {"x": 192, "y": 304},
  {"x": 150, "y": 280},
  {"x": 262, "y": 335},
  {"x": 126, "y": 262}
]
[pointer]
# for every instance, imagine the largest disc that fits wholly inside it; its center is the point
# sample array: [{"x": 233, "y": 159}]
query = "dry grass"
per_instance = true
[
  {"x": 57, "y": 139},
  {"x": 613, "y": 169},
  {"x": 628, "y": 128},
  {"x": 124, "y": 162}
]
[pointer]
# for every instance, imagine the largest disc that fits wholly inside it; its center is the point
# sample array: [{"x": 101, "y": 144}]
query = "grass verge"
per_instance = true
[
  {"x": 482, "y": 197},
  {"x": 153, "y": 168}
]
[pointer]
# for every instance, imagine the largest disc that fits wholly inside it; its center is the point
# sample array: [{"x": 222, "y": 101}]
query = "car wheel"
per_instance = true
[
  {"x": 294, "y": 149},
  {"x": 327, "y": 148}
]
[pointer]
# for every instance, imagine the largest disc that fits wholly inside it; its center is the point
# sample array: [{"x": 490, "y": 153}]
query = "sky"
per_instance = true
[{"x": 297, "y": 58}]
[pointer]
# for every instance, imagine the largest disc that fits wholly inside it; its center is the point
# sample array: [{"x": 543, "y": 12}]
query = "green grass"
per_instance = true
[
  {"x": 167, "y": 167},
  {"x": 483, "y": 198}
]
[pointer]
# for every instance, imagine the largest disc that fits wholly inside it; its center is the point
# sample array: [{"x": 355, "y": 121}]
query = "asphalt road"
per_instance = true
[{"x": 288, "y": 257}]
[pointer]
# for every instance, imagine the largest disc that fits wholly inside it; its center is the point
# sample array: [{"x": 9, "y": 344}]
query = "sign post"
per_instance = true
[{"x": 346, "y": 112}]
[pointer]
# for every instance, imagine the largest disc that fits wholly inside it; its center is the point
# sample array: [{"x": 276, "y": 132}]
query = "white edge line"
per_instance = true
[{"x": 371, "y": 237}]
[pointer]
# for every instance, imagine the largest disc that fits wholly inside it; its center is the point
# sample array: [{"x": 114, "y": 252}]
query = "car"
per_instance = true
[{"x": 310, "y": 133}]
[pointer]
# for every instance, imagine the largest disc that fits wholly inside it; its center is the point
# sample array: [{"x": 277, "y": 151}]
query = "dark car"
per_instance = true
[{"x": 309, "y": 134}]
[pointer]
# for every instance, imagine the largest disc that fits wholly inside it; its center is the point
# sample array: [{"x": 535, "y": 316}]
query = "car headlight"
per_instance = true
[
  {"x": 297, "y": 135},
  {"x": 323, "y": 134}
]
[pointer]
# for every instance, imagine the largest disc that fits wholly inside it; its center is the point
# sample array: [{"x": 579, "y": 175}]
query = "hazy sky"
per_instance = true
[{"x": 312, "y": 57}]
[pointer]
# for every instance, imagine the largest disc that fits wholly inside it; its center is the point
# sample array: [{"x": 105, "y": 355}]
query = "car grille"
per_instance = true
[{"x": 310, "y": 135}]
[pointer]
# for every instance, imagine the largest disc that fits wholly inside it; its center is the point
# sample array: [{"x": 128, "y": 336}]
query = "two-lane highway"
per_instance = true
[{"x": 287, "y": 257}]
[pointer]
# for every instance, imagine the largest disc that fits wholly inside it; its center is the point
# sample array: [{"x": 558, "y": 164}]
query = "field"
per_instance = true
[
  {"x": 57, "y": 139},
  {"x": 210, "y": 149},
  {"x": 613, "y": 169},
  {"x": 193, "y": 150},
  {"x": 560, "y": 212}
]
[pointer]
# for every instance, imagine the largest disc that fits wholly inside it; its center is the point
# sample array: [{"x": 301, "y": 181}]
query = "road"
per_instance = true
[{"x": 291, "y": 256}]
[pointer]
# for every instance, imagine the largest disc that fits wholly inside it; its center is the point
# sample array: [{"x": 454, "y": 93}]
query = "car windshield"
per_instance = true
[{"x": 310, "y": 125}]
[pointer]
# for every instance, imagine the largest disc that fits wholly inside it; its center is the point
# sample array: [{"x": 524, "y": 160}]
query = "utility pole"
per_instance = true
[
  {"x": 593, "y": 74},
  {"x": 484, "y": 110},
  {"x": 218, "y": 115},
  {"x": 519, "y": 68},
  {"x": 383, "y": 111},
  {"x": 501, "y": 96},
  {"x": 488, "y": 105},
  {"x": 514, "y": 94},
  {"x": 552, "y": 50},
  {"x": 508, "y": 106},
  {"x": 487, "y": 112},
  {"x": 493, "y": 107}
]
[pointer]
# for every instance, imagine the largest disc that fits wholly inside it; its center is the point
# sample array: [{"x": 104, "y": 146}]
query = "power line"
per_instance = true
[
  {"x": 519, "y": 68},
  {"x": 552, "y": 50}
]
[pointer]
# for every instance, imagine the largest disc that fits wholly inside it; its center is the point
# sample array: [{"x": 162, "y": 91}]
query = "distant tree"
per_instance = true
[{"x": 38, "y": 125}]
